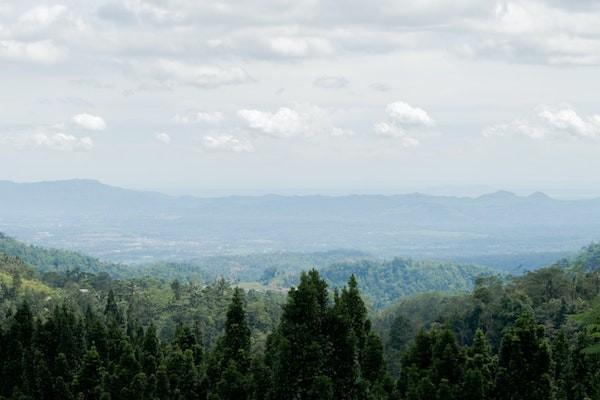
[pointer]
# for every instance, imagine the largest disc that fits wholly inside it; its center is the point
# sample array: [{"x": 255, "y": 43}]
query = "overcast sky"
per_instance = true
[{"x": 302, "y": 95}]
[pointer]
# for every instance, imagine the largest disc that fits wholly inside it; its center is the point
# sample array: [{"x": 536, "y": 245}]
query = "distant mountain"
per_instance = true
[{"x": 136, "y": 226}]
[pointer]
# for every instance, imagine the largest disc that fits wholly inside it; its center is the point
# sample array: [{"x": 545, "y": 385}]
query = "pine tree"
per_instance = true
[
  {"x": 111, "y": 311},
  {"x": 524, "y": 369},
  {"x": 61, "y": 389},
  {"x": 19, "y": 364},
  {"x": 183, "y": 375},
  {"x": 43, "y": 384},
  {"x": 188, "y": 339},
  {"x": 88, "y": 382},
  {"x": 136, "y": 389},
  {"x": 298, "y": 350},
  {"x": 95, "y": 333},
  {"x": 342, "y": 361},
  {"x": 561, "y": 362},
  {"x": 236, "y": 341},
  {"x": 480, "y": 369},
  {"x": 163, "y": 390},
  {"x": 234, "y": 384},
  {"x": 368, "y": 345},
  {"x": 373, "y": 367},
  {"x": 151, "y": 356}
]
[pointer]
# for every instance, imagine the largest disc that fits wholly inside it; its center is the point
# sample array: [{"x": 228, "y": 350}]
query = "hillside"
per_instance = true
[
  {"x": 562, "y": 299},
  {"x": 121, "y": 225},
  {"x": 54, "y": 260},
  {"x": 19, "y": 281},
  {"x": 588, "y": 259},
  {"x": 385, "y": 282},
  {"x": 538, "y": 330}
]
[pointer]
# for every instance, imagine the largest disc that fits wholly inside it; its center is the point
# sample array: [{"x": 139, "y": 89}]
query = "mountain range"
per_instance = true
[{"x": 125, "y": 225}]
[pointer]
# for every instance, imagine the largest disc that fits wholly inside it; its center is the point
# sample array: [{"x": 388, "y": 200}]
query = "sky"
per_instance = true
[{"x": 302, "y": 96}]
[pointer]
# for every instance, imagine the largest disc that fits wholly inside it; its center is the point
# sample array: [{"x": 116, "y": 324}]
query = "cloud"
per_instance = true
[
  {"x": 41, "y": 16},
  {"x": 549, "y": 122},
  {"x": 195, "y": 117},
  {"x": 163, "y": 137},
  {"x": 42, "y": 52},
  {"x": 129, "y": 11},
  {"x": 227, "y": 143},
  {"x": 62, "y": 142},
  {"x": 555, "y": 32},
  {"x": 47, "y": 138},
  {"x": 303, "y": 120},
  {"x": 298, "y": 46},
  {"x": 90, "y": 122},
  {"x": 331, "y": 82},
  {"x": 397, "y": 133},
  {"x": 385, "y": 129},
  {"x": 202, "y": 76},
  {"x": 380, "y": 87},
  {"x": 406, "y": 114},
  {"x": 283, "y": 123},
  {"x": 536, "y": 32},
  {"x": 404, "y": 122},
  {"x": 116, "y": 12}
]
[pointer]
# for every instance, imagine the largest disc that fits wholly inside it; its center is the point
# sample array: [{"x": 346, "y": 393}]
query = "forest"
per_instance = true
[{"x": 82, "y": 335}]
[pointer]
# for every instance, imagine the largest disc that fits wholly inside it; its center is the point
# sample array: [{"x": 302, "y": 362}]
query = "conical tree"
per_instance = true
[
  {"x": 236, "y": 341},
  {"x": 111, "y": 311},
  {"x": 89, "y": 377},
  {"x": 297, "y": 352},
  {"x": 151, "y": 356},
  {"x": 480, "y": 369},
  {"x": 524, "y": 369}
]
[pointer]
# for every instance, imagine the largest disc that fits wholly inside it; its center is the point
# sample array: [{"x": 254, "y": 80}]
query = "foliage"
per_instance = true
[{"x": 385, "y": 282}]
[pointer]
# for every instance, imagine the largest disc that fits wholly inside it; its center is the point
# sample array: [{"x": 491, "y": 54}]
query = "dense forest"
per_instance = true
[
  {"x": 382, "y": 282},
  {"x": 79, "y": 335}
]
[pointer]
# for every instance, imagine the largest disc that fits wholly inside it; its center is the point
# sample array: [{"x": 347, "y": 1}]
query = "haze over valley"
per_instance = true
[{"x": 130, "y": 226}]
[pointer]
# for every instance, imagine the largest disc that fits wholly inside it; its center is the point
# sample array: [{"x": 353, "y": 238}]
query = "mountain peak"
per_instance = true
[
  {"x": 499, "y": 195},
  {"x": 539, "y": 196}
]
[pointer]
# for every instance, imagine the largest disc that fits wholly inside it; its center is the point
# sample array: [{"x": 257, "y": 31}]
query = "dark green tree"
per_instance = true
[
  {"x": 524, "y": 365},
  {"x": 88, "y": 381}
]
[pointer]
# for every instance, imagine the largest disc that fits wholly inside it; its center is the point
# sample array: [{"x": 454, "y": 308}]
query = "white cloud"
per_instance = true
[
  {"x": 201, "y": 76},
  {"x": 536, "y": 32},
  {"x": 404, "y": 122},
  {"x": 47, "y": 138},
  {"x": 567, "y": 120},
  {"x": 340, "y": 132},
  {"x": 406, "y": 114},
  {"x": 389, "y": 130},
  {"x": 212, "y": 118},
  {"x": 549, "y": 123},
  {"x": 303, "y": 120},
  {"x": 228, "y": 143},
  {"x": 290, "y": 46},
  {"x": 41, "y": 16},
  {"x": 43, "y": 51},
  {"x": 62, "y": 142},
  {"x": 397, "y": 133},
  {"x": 90, "y": 122},
  {"x": 331, "y": 82},
  {"x": 283, "y": 123},
  {"x": 540, "y": 31},
  {"x": 163, "y": 137}
]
